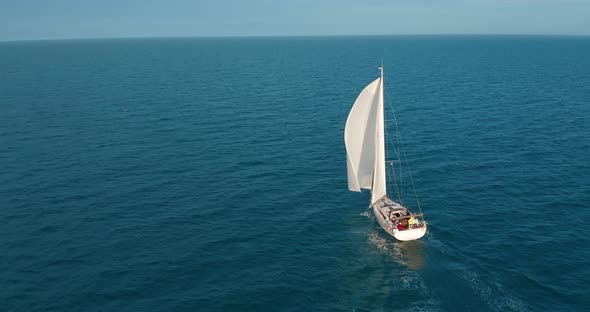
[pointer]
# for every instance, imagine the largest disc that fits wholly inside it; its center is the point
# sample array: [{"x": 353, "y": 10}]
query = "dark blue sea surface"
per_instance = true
[{"x": 210, "y": 175}]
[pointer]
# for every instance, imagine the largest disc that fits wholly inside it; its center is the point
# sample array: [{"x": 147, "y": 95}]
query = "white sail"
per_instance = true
[
  {"x": 365, "y": 142},
  {"x": 379, "y": 187}
]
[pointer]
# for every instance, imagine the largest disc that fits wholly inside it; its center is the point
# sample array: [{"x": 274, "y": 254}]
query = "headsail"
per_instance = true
[{"x": 365, "y": 142}]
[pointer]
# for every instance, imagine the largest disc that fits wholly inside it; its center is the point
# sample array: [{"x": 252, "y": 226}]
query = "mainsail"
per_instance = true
[{"x": 365, "y": 142}]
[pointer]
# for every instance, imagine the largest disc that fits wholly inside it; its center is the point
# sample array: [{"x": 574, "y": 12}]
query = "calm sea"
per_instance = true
[{"x": 210, "y": 175}]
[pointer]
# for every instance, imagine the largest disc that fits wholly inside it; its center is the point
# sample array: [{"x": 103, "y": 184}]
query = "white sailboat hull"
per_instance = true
[
  {"x": 410, "y": 234},
  {"x": 381, "y": 212}
]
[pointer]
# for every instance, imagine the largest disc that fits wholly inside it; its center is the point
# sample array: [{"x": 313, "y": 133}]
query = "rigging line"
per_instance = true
[
  {"x": 396, "y": 151},
  {"x": 411, "y": 176},
  {"x": 395, "y": 184},
  {"x": 398, "y": 186},
  {"x": 397, "y": 155},
  {"x": 398, "y": 139},
  {"x": 389, "y": 175},
  {"x": 403, "y": 150}
]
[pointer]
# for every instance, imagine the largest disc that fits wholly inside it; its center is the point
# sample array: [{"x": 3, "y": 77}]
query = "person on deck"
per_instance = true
[
  {"x": 391, "y": 224},
  {"x": 411, "y": 222},
  {"x": 400, "y": 227}
]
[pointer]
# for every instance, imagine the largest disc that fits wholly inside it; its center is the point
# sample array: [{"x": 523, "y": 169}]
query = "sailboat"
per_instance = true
[{"x": 364, "y": 137}]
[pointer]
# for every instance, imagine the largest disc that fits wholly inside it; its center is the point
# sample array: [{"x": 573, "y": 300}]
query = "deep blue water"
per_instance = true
[{"x": 210, "y": 174}]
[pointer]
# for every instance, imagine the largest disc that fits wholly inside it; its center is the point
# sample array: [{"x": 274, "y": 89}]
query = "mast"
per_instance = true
[{"x": 379, "y": 188}]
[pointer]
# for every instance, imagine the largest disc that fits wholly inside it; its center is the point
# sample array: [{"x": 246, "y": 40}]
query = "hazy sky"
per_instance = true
[{"x": 49, "y": 19}]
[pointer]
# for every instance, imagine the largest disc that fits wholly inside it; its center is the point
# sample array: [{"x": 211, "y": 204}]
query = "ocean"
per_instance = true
[{"x": 209, "y": 174}]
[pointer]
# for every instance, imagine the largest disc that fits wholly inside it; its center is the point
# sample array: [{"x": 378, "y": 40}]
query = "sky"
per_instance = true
[{"x": 65, "y": 19}]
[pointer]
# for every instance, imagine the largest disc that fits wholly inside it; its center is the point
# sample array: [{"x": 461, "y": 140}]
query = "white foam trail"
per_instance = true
[
  {"x": 493, "y": 294},
  {"x": 388, "y": 247},
  {"x": 367, "y": 214},
  {"x": 408, "y": 255}
]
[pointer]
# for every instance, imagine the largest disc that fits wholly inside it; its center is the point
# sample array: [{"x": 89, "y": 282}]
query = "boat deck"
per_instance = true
[{"x": 390, "y": 213}]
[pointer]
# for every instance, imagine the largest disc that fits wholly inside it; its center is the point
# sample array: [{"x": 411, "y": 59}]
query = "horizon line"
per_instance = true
[{"x": 294, "y": 36}]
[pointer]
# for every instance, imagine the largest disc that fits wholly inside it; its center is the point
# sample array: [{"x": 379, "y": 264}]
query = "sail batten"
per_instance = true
[{"x": 365, "y": 143}]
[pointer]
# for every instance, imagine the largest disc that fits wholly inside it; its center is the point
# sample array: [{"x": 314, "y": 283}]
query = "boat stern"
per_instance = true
[{"x": 409, "y": 234}]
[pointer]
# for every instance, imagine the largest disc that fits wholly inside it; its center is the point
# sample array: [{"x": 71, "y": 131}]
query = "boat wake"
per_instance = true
[
  {"x": 486, "y": 288},
  {"x": 409, "y": 255},
  {"x": 493, "y": 294},
  {"x": 367, "y": 214}
]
